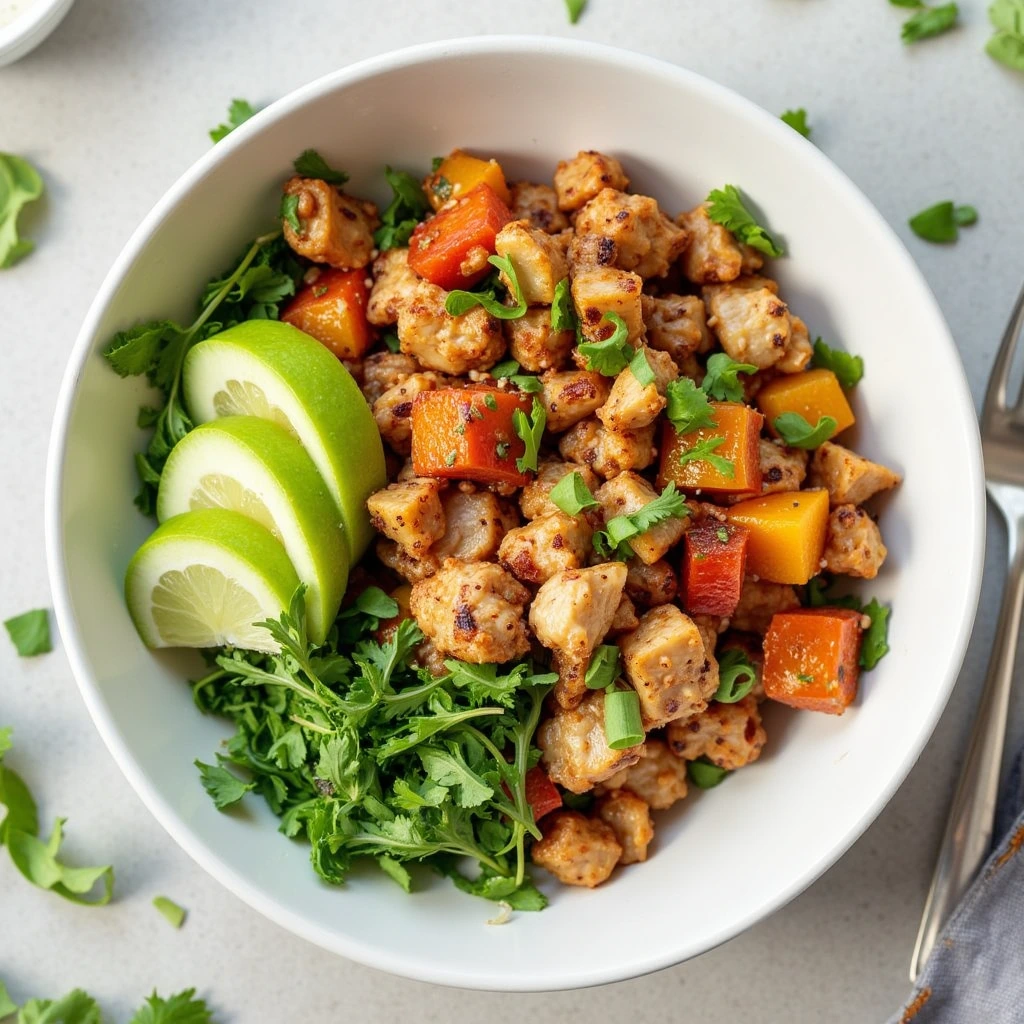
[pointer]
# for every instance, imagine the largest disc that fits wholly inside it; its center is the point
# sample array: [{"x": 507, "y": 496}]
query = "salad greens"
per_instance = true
[
  {"x": 20, "y": 184},
  {"x": 30, "y": 632},
  {"x": 238, "y": 113}
]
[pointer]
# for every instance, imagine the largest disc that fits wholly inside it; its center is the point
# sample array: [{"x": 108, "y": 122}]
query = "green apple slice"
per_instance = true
[
  {"x": 205, "y": 578},
  {"x": 256, "y": 467},
  {"x": 272, "y": 370}
]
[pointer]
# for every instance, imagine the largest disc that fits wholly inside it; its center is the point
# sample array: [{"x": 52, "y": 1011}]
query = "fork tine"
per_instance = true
[{"x": 995, "y": 395}]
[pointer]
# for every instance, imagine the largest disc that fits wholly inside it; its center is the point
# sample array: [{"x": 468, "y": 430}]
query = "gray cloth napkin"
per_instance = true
[{"x": 975, "y": 974}]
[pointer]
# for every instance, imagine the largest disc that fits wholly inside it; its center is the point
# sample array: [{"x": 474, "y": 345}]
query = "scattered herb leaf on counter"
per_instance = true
[
  {"x": 611, "y": 356},
  {"x": 703, "y": 774},
  {"x": 928, "y": 22},
  {"x": 238, "y": 113},
  {"x": 849, "y": 369},
  {"x": 1007, "y": 45},
  {"x": 407, "y": 208},
  {"x": 310, "y": 164},
  {"x": 78, "y": 1007},
  {"x": 721, "y": 379},
  {"x": 30, "y": 632},
  {"x": 613, "y": 540},
  {"x": 726, "y": 208},
  {"x": 688, "y": 408},
  {"x": 174, "y": 914},
  {"x": 796, "y": 432},
  {"x": 7, "y": 1004},
  {"x": 572, "y": 495},
  {"x": 704, "y": 451},
  {"x": 797, "y": 120},
  {"x": 942, "y": 222},
  {"x": 912, "y": 4},
  {"x": 575, "y": 9},
  {"x": 20, "y": 184}
]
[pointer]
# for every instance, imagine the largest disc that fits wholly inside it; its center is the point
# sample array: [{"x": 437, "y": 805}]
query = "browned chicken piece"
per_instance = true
[
  {"x": 456, "y": 345},
  {"x": 651, "y": 584},
  {"x": 850, "y": 479},
  {"x": 574, "y": 750},
  {"x": 625, "y": 619},
  {"x": 409, "y": 513},
  {"x": 752, "y": 648},
  {"x": 475, "y": 525},
  {"x": 712, "y": 255},
  {"x": 538, "y": 259},
  {"x": 410, "y": 567},
  {"x": 759, "y": 601},
  {"x": 709, "y": 627},
  {"x": 600, "y": 290},
  {"x": 577, "y": 850},
  {"x": 678, "y": 325},
  {"x": 393, "y": 285},
  {"x": 336, "y": 229},
  {"x": 632, "y": 405},
  {"x": 752, "y": 324},
  {"x": 629, "y": 818},
  {"x": 667, "y": 665},
  {"x": 539, "y": 205},
  {"x": 782, "y": 468},
  {"x": 658, "y": 777},
  {"x": 799, "y": 350},
  {"x": 383, "y": 370},
  {"x": 647, "y": 241},
  {"x": 570, "y": 396},
  {"x": 608, "y": 452},
  {"x": 729, "y": 735},
  {"x": 533, "y": 499},
  {"x": 535, "y": 552},
  {"x": 628, "y": 493},
  {"x": 590, "y": 252},
  {"x": 393, "y": 410},
  {"x": 854, "y": 543},
  {"x": 535, "y": 345},
  {"x": 473, "y": 612},
  {"x": 578, "y": 180}
]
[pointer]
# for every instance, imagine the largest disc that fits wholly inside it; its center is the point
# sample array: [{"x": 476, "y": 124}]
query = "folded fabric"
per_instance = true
[{"x": 975, "y": 974}]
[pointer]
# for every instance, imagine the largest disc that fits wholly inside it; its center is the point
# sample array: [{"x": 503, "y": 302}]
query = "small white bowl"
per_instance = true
[
  {"x": 29, "y": 27},
  {"x": 722, "y": 860}
]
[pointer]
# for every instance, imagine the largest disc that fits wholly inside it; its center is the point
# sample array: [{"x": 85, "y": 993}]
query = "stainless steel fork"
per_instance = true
[{"x": 969, "y": 828}]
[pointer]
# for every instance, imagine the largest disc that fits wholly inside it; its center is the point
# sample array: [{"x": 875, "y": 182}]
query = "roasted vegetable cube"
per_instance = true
[
  {"x": 714, "y": 563},
  {"x": 333, "y": 310},
  {"x": 812, "y": 395}
]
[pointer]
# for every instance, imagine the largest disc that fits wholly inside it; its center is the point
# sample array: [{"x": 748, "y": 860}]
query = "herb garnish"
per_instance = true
[
  {"x": 30, "y": 632},
  {"x": 603, "y": 669},
  {"x": 78, "y": 1007},
  {"x": 531, "y": 432},
  {"x": 641, "y": 369},
  {"x": 703, "y": 774},
  {"x": 238, "y": 113},
  {"x": 797, "y": 120},
  {"x": 721, "y": 380},
  {"x": 613, "y": 540},
  {"x": 736, "y": 676},
  {"x": 509, "y": 370},
  {"x": 942, "y": 222},
  {"x": 407, "y": 208},
  {"x": 459, "y": 301},
  {"x": 726, "y": 208},
  {"x": 928, "y": 21},
  {"x": 687, "y": 408},
  {"x": 563, "y": 312},
  {"x": 572, "y": 495},
  {"x": 575, "y": 9},
  {"x": 310, "y": 164},
  {"x": 796, "y": 432},
  {"x": 703, "y": 451},
  {"x": 611, "y": 356},
  {"x": 174, "y": 914},
  {"x": 1007, "y": 45},
  {"x": 20, "y": 184},
  {"x": 875, "y": 642},
  {"x": 849, "y": 369}
]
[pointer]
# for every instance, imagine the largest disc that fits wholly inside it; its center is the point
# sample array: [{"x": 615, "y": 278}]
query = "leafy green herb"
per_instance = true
[
  {"x": 392, "y": 342},
  {"x": 20, "y": 184},
  {"x": 575, "y": 9},
  {"x": 849, "y": 369},
  {"x": 78, "y": 1007},
  {"x": 796, "y": 432},
  {"x": 7, "y": 1004},
  {"x": 721, "y": 381},
  {"x": 929, "y": 21},
  {"x": 225, "y": 788},
  {"x": 703, "y": 774},
  {"x": 30, "y": 632},
  {"x": 407, "y": 208},
  {"x": 238, "y": 113},
  {"x": 572, "y": 495},
  {"x": 310, "y": 164},
  {"x": 703, "y": 451},
  {"x": 623, "y": 726},
  {"x": 289, "y": 213},
  {"x": 611, "y": 356},
  {"x": 1007, "y": 45},
  {"x": 603, "y": 669},
  {"x": 875, "y": 643},
  {"x": 530, "y": 430},
  {"x": 736, "y": 676},
  {"x": 491, "y": 402},
  {"x": 613, "y": 540},
  {"x": 175, "y": 915},
  {"x": 459, "y": 301},
  {"x": 563, "y": 312},
  {"x": 435, "y": 164},
  {"x": 797, "y": 120},
  {"x": 641, "y": 369},
  {"x": 509, "y": 370},
  {"x": 181, "y": 1008},
  {"x": 913, "y": 4},
  {"x": 819, "y": 594},
  {"x": 688, "y": 407},
  {"x": 941, "y": 222},
  {"x": 726, "y": 208}
]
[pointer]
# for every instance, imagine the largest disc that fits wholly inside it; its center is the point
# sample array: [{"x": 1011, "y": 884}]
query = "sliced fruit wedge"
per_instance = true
[
  {"x": 272, "y": 370},
  {"x": 258, "y": 468},
  {"x": 204, "y": 579}
]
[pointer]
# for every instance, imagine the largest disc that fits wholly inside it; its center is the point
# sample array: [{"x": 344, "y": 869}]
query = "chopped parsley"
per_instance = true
[
  {"x": 1007, "y": 45},
  {"x": 30, "y": 632},
  {"x": 928, "y": 21},
  {"x": 407, "y": 208},
  {"x": 688, "y": 408},
  {"x": 20, "y": 184},
  {"x": 641, "y": 369},
  {"x": 459, "y": 302},
  {"x": 563, "y": 312},
  {"x": 238, "y": 113},
  {"x": 289, "y": 212},
  {"x": 721, "y": 380}
]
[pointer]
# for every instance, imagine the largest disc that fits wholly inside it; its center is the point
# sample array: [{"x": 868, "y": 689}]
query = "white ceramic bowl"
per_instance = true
[
  {"x": 724, "y": 859},
  {"x": 30, "y": 27}
]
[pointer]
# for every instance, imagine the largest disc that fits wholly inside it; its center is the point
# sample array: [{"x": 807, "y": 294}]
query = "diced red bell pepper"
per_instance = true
[
  {"x": 333, "y": 310},
  {"x": 811, "y": 658},
  {"x": 714, "y": 562},
  {"x": 467, "y": 434},
  {"x": 451, "y": 248},
  {"x": 541, "y": 793}
]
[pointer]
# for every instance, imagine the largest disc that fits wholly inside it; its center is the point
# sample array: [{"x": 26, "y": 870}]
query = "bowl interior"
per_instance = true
[{"x": 723, "y": 859}]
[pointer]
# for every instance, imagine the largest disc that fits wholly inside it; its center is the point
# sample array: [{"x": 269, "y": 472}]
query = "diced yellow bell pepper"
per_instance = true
[
  {"x": 813, "y": 394},
  {"x": 460, "y": 173}
]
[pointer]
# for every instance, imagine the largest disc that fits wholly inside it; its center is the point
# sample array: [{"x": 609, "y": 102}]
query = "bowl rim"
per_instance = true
[
  {"x": 207, "y": 858},
  {"x": 30, "y": 28}
]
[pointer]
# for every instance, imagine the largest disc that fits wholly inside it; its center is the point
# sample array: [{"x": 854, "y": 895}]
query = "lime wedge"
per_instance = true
[
  {"x": 257, "y": 468},
  {"x": 272, "y": 370},
  {"x": 204, "y": 579}
]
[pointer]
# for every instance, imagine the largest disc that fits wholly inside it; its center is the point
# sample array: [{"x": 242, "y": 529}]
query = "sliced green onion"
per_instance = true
[
  {"x": 703, "y": 774},
  {"x": 736, "y": 676},
  {"x": 603, "y": 669},
  {"x": 622, "y": 725}
]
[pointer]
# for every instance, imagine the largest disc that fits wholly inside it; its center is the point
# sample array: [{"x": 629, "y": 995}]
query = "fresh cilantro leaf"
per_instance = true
[
  {"x": 289, "y": 213},
  {"x": 603, "y": 669},
  {"x": 20, "y": 184},
  {"x": 849, "y": 369},
  {"x": 21, "y": 814},
  {"x": 613, "y": 540},
  {"x": 77, "y": 1007},
  {"x": 373, "y": 601},
  {"x": 703, "y": 451},
  {"x": 407, "y": 208},
  {"x": 941, "y": 222},
  {"x": 797, "y": 120},
  {"x": 182, "y": 1008},
  {"x": 736, "y": 676},
  {"x": 721, "y": 381},
  {"x": 174, "y": 914},
  {"x": 929, "y": 21},
  {"x": 238, "y": 113},
  {"x": 875, "y": 644},
  {"x": 459, "y": 302},
  {"x": 7, "y": 1005},
  {"x": 530, "y": 430},
  {"x": 1007, "y": 45},
  {"x": 796, "y": 432},
  {"x": 726, "y": 208},
  {"x": 575, "y": 8},
  {"x": 30, "y": 632},
  {"x": 641, "y": 369},
  {"x": 703, "y": 774},
  {"x": 447, "y": 767},
  {"x": 688, "y": 407},
  {"x": 611, "y": 356},
  {"x": 491, "y": 886},
  {"x": 572, "y": 495},
  {"x": 310, "y": 164},
  {"x": 509, "y": 370},
  {"x": 37, "y": 861},
  {"x": 563, "y": 312},
  {"x": 224, "y": 787},
  {"x": 395, "y": 870}
]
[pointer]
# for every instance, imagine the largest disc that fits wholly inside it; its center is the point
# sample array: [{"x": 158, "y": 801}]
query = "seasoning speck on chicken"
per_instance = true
[
  {"x": 335, "y": 228},
  {"x": 658, "y": 777},
  {"x": 577, "y": 850},
  {"x": 854, "y": 543},
  {"x": 578, "y": 180},
  {"x": 728, "y": 735},
  {"x": 629, "y": 818}
]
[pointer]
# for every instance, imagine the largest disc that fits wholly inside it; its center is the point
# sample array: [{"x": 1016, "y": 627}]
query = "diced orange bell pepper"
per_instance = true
[
  {"x": 541, "y": 793},
  {"x": 333, "y": 310},
  {"x": 813, "y": 394},
  {"x": 740, "y": 426},
  {"x": 467, "y": 434},
  {"x": 786, "y": 534},
  {"x": 714, "y": 562},
  {"x": 811, "y": 658},
  {"x": 451, "y": 248},
  {"x": 460, "y": 173}
]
